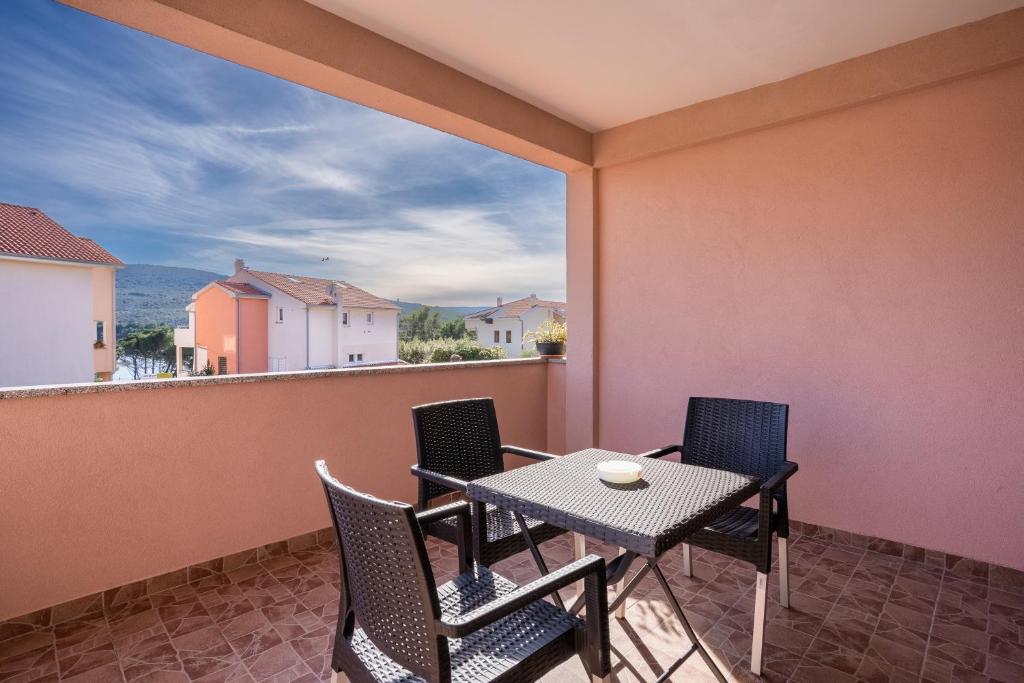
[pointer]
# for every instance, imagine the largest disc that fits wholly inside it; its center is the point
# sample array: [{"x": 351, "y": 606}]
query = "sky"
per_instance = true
[{"x": 169, "y": 156}]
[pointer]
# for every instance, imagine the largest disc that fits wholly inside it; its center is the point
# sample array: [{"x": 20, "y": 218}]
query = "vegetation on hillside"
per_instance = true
[{"x": 156, "y": 295}]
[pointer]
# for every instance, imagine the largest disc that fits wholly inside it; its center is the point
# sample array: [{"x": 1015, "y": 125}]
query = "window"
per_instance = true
[
  {"x": 497, "y": 337},
  {"x": 351, "y": 358},
  {"x": 359, "y": 356},
  {"x": 222, "y": 365},
  {"x": 280, "y": 314},
  {"x": 369, "y": 318},
  {"x": 100, "y": 332},
  {"x": 508, "y": 336},
  {"x": 344, "y": 318}
]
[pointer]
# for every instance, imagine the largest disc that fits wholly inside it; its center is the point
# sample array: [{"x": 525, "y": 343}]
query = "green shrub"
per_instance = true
[{"x": 418, "y": 351}]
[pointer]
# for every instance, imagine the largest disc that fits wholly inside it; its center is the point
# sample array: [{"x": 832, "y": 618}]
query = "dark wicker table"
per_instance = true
[{"x": 645, "y": 519}]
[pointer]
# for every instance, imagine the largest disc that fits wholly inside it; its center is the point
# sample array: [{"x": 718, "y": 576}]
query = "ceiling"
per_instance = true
[{"x": 602, "y": 63}]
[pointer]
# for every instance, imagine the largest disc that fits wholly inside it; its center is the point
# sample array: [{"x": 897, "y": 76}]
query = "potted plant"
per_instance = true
[
  {"x": 549, "y": 337},
  {"x": 98, "y": 345}
]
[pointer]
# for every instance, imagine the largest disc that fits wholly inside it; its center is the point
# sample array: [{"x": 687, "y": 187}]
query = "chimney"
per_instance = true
[
  {"x": 533, "y": 296},
  {"x": 499, "y": 302},
  {"x": 239, "y": 265}
]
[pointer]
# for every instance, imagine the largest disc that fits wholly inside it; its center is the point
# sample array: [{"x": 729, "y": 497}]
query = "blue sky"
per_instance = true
[{"x": 169, "y": 156}]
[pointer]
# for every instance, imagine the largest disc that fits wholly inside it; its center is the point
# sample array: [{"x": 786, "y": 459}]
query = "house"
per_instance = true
[
  {"x": 256, "y": 321},
  {"x": 58, "y": 294},
  {"x": 505, "y": 325}
]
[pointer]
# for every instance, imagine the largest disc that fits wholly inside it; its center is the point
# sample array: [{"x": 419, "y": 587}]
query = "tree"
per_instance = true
[
  {"x": 151, "y": 347},
  {"x": 423, "y": 323},
  {"x": 453, "y": 329}
]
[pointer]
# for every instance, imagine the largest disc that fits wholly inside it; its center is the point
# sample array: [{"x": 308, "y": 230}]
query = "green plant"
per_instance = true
[
  {"x": 551, "y": 331},
  {"x": 417, "y": 351},
  {"x": 207, "y": 371}
]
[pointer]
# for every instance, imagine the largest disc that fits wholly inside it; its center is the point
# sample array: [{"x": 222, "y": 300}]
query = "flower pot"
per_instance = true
[{"x": 551, "y": 349}]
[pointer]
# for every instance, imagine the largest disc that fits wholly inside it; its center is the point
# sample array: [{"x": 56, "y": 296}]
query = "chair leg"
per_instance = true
[
  {"x": 760, "y": 605},
  {"x": 784, "y": 571},
  {"x": 579, "y": 550},
  {"x": 687, "y": 561},
  {"x": 620, "y": 613}
]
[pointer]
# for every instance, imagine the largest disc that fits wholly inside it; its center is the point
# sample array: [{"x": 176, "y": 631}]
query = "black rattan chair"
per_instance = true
[
  {"x": 456, "y": 442},
  {"x": 478, "y": 627},
  {"x": 746, "y": 437}
]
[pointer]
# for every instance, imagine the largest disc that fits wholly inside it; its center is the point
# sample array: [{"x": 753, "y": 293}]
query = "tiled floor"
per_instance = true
[{"x": 855, "y": 615}]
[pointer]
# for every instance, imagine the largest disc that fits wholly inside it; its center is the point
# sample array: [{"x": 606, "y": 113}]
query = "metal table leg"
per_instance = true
[
  {"x": 537, "y": 557},
  {"x": 697, "y": 646},
  {"x": 616, "y": 573}
]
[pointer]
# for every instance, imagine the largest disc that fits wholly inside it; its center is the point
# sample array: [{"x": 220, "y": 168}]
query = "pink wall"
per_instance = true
[
  {"x": 106, "y": 488},
  {"x": 866, "y": 267},
  {"x": 217, "y": 326},
  {"x": 252, "y": 331},
  {"x": 556, "y": 407}
]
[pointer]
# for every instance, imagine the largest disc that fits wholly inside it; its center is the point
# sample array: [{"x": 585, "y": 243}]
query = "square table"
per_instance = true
[{"x": 645, "y": 519}]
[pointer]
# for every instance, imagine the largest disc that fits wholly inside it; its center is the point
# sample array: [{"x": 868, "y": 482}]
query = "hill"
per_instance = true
[
  {"x": 155, "y": 295},
  {"x": 446, "y": 312}
]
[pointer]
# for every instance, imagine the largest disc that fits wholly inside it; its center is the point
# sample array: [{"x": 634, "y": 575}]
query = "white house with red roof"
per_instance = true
[
  {"x": 58, "y": 302},
  {"x": 505, "y": 325},
  {"x": 258, "y": 321}
]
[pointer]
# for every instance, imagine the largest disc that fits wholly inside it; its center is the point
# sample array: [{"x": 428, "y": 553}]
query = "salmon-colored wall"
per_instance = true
[
  {"x": 103, "y": 309},
  {"x": 556, "y": 407},
  {"x": 866, "y": 267},
  {"x": 105, "y": 488},
  {"x": 217, "y": 326},
  {"x": 252, "y": 332}
]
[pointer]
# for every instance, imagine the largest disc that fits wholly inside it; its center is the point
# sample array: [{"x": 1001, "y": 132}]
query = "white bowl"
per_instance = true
[{"x": 619, "y": 471}]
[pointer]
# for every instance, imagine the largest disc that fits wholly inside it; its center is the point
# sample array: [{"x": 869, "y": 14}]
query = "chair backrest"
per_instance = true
[
  {"x": 387, "y": 577},
  {"x": 746, "y": 437},
  {"x": 458, "y": 439}
]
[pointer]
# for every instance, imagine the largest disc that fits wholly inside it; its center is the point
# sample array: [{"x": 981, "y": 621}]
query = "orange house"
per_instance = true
[{"x": 230, "y": 312}]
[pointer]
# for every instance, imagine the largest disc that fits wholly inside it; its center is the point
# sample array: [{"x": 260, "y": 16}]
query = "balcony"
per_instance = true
[{"x": 845, "y": 239}]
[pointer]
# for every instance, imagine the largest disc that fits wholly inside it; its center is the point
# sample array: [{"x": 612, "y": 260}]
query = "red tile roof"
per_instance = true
[
  {"x": 28, "y": 232},
  {"x": 514, "y": 309},
  {"x": 313, "y": 291},
  {"x": 243, "y": 288}
]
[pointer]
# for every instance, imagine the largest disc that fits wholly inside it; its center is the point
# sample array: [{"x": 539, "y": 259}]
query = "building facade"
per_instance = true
[
  {"x": 505, "y": 325},
  {"x": 258, "y": 321},
  {"x": 58, "y": 293}
]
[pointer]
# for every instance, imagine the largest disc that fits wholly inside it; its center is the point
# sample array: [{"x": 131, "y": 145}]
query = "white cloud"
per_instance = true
[{"x": 205, "y": 161}]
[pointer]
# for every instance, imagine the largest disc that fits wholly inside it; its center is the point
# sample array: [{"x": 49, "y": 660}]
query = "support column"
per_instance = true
[{"x": 581, "y": 251}]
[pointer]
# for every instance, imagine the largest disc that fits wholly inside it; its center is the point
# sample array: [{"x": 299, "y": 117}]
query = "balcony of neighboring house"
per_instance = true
[{"x": 830, "y": 222}]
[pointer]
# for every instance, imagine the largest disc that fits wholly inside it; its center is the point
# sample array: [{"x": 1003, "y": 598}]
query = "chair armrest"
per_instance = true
[
  {"x": 457, "y": 509},
  {"x": 460, "y": 509},
  {"x": 440, "y": 479},
  {"x": 527, "y": 453},
  {"x": 777, "y": 479},
  {"x": 662, "y": 452},
  {"x": 591, "y": 565}
]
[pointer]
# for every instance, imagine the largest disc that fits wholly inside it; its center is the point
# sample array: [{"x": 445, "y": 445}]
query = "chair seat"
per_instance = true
[
  {"x": 495, "y": 652},
  {"x": 740, "y": 523}
]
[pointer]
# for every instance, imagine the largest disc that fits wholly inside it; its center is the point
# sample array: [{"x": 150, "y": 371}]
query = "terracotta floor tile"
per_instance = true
[
  {"x": 855, "y": 614},
  {"x": 279, "y": 660}
]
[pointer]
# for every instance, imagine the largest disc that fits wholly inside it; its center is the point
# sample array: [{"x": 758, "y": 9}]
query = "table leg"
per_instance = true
[
  {"x": 620, "y": 613},
  {"x": 697, "y": 646},
  {"x": 541, "y": 565},
  {"x": 579, "y": 550}
]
